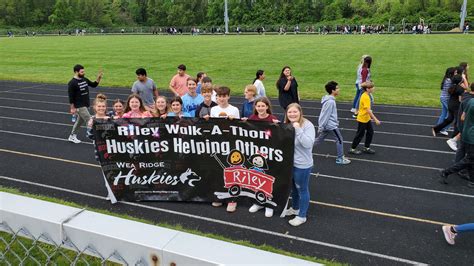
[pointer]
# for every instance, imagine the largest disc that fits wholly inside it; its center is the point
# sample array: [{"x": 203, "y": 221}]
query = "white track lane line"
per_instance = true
[
  {"x": 348, "y": 129},
  {"x": 328, "y": 140},
  {"x": 274, "y": 99},
  {"x": 314, "y": 174},
  {"x": 65, "y": 96},
  {"x": 217, "y": 221}
]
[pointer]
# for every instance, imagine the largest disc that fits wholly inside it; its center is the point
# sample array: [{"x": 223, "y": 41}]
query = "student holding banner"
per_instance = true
[
  {"x": 302, "y": 164},
  {"x": 100, "y": 109},
  {"x": 135, "y": 108},
  {"x": 225, "y": 110}
]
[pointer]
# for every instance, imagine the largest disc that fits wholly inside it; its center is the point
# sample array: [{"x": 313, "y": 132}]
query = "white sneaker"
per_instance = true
[
  {"x": 297, "y": 221},
  {"x": 291, "y": 212},
  {"x": 444, "y": 132},
  {"x": 353, "y": 110},
  {"x": 231, "y": 206},
  {"x": 268, "y": 212},
  {"x": 448, "y": 235},
  {"x": 73, "y": 139},
  {"x": 255, "y": 208},
  {"x": 452, "y": 144}
]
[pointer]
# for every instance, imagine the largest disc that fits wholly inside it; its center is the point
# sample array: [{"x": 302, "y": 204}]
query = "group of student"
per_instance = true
[
  {"x": 457, "y": 101},
  {"x": 199, "y": 98},
  {"x": 456, "y": 95}
]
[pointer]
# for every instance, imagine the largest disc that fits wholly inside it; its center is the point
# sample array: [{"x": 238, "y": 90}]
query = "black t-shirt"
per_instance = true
[
  {"x": 203, "y": 110},
  {"x": 453, "y": 102},
  {"x": 78, "y": 90},
  {"x": 287, "y": 97}
]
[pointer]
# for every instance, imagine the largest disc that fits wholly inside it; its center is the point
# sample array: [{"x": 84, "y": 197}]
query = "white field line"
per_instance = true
[
  {"x": 217, "y": 221},
  {"x": 126, "y": 95},
  {"x": 314, "y": 174},
  {"x": 327, "y": 140}
]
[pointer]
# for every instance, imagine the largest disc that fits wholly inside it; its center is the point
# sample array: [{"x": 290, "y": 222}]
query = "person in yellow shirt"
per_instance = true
[{"x": 364, "y": 120}]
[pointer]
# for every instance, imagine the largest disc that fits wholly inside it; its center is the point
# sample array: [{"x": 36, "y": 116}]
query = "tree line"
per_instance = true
[{"x": 109, "y": 13}]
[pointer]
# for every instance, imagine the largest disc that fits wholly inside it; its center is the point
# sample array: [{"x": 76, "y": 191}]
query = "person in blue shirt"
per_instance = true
[
  {"x": 177, "y": 108},
  {"x": 191, "y": 100},
  {"x": 247, "y": 106}
]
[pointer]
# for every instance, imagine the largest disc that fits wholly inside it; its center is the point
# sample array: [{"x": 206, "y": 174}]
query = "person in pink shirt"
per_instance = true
[
  {"x": 178, "y": 83},
  {"x": 135, "y": 108}
]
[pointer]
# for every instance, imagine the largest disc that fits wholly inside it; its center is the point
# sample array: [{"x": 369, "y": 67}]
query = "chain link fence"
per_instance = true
[{"x": 22, "y": 248}]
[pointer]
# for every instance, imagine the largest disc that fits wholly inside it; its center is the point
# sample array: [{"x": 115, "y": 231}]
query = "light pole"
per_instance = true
[
  {"x": 226, "y": 18},
  {"x": 463, "y": 15}
]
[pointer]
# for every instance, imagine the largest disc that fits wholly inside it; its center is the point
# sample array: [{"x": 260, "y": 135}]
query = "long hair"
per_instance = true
[
  {"x": 464, "y": 67},
  {"x": 457, "y": 79},
  {"x": 155, "y": 112},
  {"x": 136, "y": 96},
  {"x": 297, "y": 106},
  {"x": 282, "y": 75},
  {"x": 258, "y": 75},
  {"x": 265, "y": 101},
  {"x": 367, "y": 62},
  {"x": 448, "y": 75}
]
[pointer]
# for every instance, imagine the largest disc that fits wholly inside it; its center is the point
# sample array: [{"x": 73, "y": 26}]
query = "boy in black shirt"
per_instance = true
[{"x": 78, "y": 90}]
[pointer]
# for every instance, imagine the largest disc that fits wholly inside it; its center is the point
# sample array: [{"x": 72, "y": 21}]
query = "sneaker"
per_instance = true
[
  {"x": 354, "y": 151},
  {"x": 291, "y": 212},
  {"x": 448, "y": 235},
  {"x": 268, "y": 212},
  {"x": 255, "y": 208},
  {"x": 433, "y": 132},
  {"x": 73, "y": 139},
  {"x": 368, "y": 151},
  {"x": 231, "y": 206},
  {"x": 216, "y": 204},
  {"x": 353, "y": 110},
  {"x": 444, "y": 132},
  {"x": 452, "y": 144},
  {"x": 354, "y": 116},
  {"x": 297, "y": 221},
  {"x": 343, "y": 161},
  {"x": 443, "y": 177}
]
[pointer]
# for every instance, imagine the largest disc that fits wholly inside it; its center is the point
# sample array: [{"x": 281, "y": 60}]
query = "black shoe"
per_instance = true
[
  {"x": 443, "y": 177},
  {"x": 368, "y": 151},
  {"x": 354, "y": 151}
]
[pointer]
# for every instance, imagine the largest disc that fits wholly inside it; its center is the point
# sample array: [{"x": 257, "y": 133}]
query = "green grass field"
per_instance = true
[{"x": 407, "y": 69}]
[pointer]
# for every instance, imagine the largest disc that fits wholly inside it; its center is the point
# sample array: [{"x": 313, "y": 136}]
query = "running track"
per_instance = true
[{"x": 386, "y": 208}]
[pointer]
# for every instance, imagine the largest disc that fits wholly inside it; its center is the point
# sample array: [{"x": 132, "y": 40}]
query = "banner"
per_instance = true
[{"x": 192, "y": 159}]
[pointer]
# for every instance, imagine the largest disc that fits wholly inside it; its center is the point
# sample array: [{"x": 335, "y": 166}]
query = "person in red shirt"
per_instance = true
[{"x": 263, "y": 111}]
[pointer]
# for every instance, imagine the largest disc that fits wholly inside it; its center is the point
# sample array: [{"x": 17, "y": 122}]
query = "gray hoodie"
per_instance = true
[{"x": 328, "y": 117}]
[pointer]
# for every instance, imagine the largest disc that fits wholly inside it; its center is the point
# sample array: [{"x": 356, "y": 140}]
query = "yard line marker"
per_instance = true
[{"x": 241, "y": 226}]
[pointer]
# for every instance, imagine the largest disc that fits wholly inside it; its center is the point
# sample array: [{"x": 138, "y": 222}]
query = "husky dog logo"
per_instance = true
[{"x": 189, "y": 177}]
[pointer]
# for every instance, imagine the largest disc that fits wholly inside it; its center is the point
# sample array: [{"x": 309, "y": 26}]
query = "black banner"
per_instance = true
[{"x": 196, "y": 160}]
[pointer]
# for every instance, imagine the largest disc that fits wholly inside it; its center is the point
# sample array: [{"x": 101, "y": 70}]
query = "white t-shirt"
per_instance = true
[
  {"x": 260, "y": 89},
  {"x": 230, "y": 110}
]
